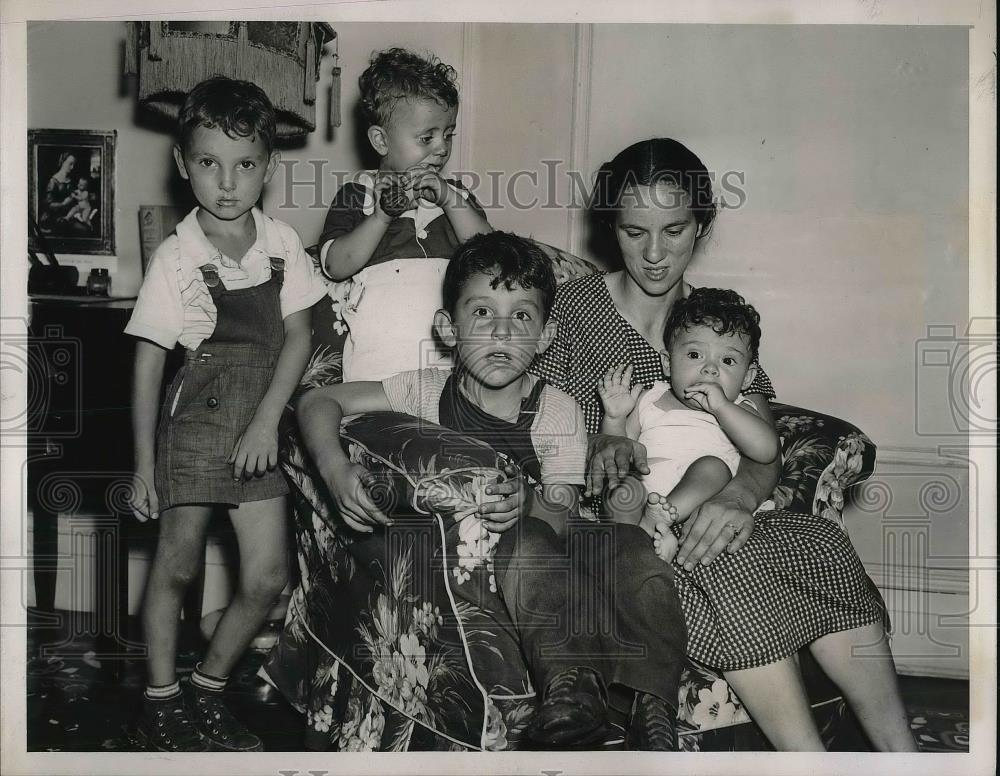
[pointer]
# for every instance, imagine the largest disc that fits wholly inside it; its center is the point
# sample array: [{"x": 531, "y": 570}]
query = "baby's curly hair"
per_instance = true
[
  {"x": 398, "y": 74},
  {"x": 721, "y": 308}
]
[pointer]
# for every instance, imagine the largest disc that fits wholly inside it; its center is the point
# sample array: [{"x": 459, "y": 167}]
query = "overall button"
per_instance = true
[{"x": 212, "y": 402}]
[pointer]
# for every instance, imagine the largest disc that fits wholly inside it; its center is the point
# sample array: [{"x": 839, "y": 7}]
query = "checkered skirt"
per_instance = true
[{"x": 797, "y": 578}]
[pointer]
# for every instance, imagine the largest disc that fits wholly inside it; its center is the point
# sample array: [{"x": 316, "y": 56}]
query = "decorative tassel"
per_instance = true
[
  {"x": 309, "y": 76},
  {"x": 335, "y": 98},
  {"x": 155, "y": 36},
  {"x": 131, "y": 48}
]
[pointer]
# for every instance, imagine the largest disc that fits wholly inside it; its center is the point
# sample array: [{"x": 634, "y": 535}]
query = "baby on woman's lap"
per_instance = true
[{"x": 696, "y": 426}]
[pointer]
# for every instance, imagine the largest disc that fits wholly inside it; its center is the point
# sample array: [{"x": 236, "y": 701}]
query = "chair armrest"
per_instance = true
[
  {"x": 419, "y": 468},
  {"x": 822, "y": 456}
]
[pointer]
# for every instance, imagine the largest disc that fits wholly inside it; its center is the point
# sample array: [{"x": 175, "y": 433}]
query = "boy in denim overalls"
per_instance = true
[{"x": 234, "y": 288}]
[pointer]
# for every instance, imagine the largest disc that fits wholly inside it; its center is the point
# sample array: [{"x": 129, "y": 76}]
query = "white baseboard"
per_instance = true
[
  {"x": 910, "y": 525},
  {"x": 929, "y": 611},
  {"x": 943, "y": 456}
]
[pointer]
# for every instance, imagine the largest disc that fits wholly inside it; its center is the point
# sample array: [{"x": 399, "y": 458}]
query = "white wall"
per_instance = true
[
  {"x": 910, "y": 524},
  {"x": 523, "y": 89}
]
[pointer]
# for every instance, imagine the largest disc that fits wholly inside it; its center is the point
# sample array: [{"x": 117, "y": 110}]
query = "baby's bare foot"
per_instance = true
[
  {"x": 665, "y": 544},
  {"x": 659, "y": 510},
  {"x": 657, "y": 518}
]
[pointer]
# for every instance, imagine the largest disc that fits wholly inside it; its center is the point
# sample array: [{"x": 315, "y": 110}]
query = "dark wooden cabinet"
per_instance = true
[
  {"x": 79, "y": 448},
  {"x": 80, "y": 388}
]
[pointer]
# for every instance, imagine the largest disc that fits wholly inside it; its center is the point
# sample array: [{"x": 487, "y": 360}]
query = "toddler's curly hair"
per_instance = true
[
  {"x": 398, "y": 74},
  {"x": 721, "y": 308}
]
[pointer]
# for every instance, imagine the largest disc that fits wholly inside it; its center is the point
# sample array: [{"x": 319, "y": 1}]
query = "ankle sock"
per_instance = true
[
  {"x": 204, "y": 681},
  {"x": 162, "y": 692}
]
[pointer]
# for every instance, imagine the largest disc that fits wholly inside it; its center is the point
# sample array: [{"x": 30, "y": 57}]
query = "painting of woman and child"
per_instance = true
[{"x": 71, "y": 198}]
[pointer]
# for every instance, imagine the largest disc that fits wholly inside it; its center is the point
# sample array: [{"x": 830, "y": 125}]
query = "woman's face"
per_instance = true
[
  {"x": 656, "y": 232},
  {"x": 68, "y": 164}
]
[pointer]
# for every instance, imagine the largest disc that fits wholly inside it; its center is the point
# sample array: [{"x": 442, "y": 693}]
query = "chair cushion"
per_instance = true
[{"x": 413, "y": 611}]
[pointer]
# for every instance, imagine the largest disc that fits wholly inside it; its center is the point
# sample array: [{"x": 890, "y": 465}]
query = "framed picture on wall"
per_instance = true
[{"x": 71, "y": 190}]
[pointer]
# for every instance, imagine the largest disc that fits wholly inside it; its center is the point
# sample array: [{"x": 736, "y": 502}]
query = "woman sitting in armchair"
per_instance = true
[{"x": 757, "y": 587}]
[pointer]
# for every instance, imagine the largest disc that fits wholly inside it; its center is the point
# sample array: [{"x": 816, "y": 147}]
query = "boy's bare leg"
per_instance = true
[
  {"x": 180, "y": 555},
  {"x": 703, "y": 479},
  {"x": 260, "y": 534}
]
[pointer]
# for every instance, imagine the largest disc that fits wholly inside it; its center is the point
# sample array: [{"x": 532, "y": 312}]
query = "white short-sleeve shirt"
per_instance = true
[{"x": 174, "y": 304}]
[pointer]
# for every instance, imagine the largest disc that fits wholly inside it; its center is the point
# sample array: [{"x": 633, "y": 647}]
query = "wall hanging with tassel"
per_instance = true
[{"x": 283, "y": 58}]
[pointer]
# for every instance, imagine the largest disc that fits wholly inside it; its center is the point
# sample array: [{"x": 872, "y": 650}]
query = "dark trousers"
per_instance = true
[{"x": 599, "y": 598}]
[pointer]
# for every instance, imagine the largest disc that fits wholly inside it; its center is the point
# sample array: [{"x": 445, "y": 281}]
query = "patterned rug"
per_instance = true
[
  {"x": 72, "y": 706},
  {"x": 940, "y": 731}
]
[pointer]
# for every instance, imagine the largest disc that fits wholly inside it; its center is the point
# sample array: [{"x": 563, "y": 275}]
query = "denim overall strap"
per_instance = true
[
  {"x": 455, "y": 411},
  {"x": 536, "y": 579},
  {"x": 250, "y": 316}
]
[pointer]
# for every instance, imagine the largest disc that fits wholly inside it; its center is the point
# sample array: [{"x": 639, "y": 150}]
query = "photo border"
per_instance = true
[{"x": 979, "y": 17}]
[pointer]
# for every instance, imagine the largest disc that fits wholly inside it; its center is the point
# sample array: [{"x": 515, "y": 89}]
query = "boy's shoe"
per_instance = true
[
  {"x": 164, "y": 726},
  {"x": 652, "y": 726},
  {"x": 217, "y": 725},
  {"x": 574, "y": 710}
]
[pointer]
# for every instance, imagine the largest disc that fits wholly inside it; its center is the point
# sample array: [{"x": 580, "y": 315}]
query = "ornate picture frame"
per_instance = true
[{"x": 71, "y": 190}]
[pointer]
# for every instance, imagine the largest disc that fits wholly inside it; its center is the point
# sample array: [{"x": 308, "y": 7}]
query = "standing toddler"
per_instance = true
[{"x": 391, "y": 231}]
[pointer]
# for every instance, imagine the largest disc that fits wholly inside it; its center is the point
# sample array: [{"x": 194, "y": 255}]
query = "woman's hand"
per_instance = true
[
  {"x": 501, "y": 515},
  {"x": 616, "y": 395},
  {"x": 349, "y": 485},
  {"x": 611, "y": 459},
  {"x": 143, "y": 500},
  {"x": 256, "y": 450},
  {"x": 721, "y": 523}
]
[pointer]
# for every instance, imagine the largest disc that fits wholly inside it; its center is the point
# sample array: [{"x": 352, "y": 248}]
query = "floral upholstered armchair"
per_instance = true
[{"x": 398, "y": 640}]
